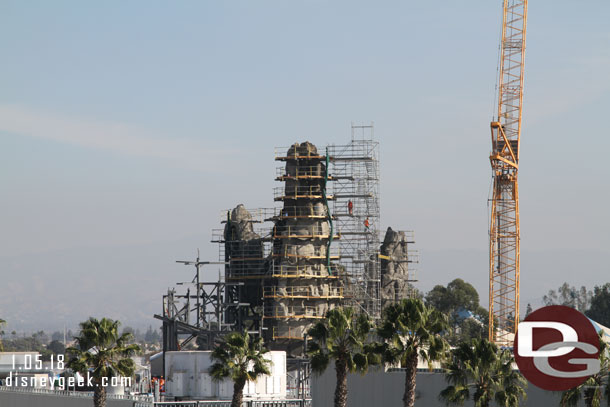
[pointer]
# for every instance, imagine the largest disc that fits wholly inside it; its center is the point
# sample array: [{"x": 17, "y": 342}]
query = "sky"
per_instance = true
[{"x": 127, "y": 127}]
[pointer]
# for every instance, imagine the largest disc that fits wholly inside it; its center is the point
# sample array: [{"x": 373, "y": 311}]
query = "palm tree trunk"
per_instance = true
[
  {"x": 238, "y": 393},
  {"x": 341, "y": 388},
  {"x": 411, "y": 370},
  {"x": 486, "y": 396},
  {"x": 99, "y": 394},
  {"x": 593, "y": 396}
]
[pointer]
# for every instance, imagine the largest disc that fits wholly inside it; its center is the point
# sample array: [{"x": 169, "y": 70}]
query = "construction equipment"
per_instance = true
[{"x": 505, "y": 134}]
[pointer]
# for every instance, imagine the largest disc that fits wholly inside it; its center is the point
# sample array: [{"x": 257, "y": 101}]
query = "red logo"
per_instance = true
[{"x": 557, "y": 348}]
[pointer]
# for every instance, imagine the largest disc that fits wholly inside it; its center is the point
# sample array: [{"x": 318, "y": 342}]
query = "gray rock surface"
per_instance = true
[{"x": 395, "y": 276}]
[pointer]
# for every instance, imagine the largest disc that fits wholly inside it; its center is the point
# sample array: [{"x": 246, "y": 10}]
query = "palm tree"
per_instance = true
[
  {"x": 341, "y": 337},
  {"x": 479, "y": 367},
  {"x": 242, "y": 358},
  {"x": 102, "y": 353},
  {"x": 595, "y": 387},
  {"x": 411, "y": 330}
]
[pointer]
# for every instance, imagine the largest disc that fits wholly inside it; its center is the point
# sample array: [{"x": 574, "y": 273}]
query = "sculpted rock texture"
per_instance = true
[
  {"x": 244, "y": 251},
  {"x": 305, "y": 288},
  {"x": 395, "y": 276}
]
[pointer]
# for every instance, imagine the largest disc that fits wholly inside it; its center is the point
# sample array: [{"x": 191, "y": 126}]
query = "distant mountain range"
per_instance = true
[{"x": 44, "y": 291}]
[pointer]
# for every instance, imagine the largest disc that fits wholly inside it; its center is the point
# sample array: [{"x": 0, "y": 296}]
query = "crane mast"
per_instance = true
[{"x": 505, "y": 134}]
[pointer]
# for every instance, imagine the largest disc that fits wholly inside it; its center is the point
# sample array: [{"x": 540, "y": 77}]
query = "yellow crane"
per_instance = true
[{"x": 505, "y": 134}]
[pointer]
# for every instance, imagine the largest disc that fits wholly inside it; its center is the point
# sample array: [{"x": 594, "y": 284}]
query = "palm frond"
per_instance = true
[
  {"x": 455, "y": 395},
  {"x": 240, "y": 357},
  {"x": 101, "y": 350},
  {"x": 479, "y": 365}
]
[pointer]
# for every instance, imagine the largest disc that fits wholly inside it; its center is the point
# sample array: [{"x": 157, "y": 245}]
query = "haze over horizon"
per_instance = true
[{"x": 126, "y": 128}]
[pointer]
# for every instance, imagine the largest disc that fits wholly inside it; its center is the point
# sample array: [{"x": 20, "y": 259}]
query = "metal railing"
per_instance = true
[
  {"x": 226, "y": 403},
  {"x": 299, "y": 192},
  {"x": 294, "y": 311},
  {"x": 76, "y": 394},
  {"x": 218, "y": 235},
  {"x": 315, "y": 231},
  {"x": 317, "y": 211},
  {"x": 302, "y": 292},
  {"x": 257, "y": 215},
  {"x": 289, "y": 332},
  {"x": 283, "y": 153},
  {"x": 306, "y": 271},
  {"x": 307, "y": 172},
  {"x": 207, "y": 403},
  {"x": 307, "y": 251}
]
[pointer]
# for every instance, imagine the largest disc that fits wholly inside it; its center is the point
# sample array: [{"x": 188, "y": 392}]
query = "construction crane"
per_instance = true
[{"x": 505, "y": 134}]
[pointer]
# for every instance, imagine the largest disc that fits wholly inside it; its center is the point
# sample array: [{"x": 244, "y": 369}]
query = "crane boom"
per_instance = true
[{"x": 504, "y": 255}]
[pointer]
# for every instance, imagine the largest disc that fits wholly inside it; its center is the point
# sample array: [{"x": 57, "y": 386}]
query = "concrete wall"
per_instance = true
[
  {"x": 378, "y": 388},
  {"x": 14, "y": 399}
]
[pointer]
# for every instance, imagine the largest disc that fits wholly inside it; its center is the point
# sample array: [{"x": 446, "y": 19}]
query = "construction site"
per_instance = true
[
  {"x": 318, "y": 247},
  {"x": 130, "y": 129}
]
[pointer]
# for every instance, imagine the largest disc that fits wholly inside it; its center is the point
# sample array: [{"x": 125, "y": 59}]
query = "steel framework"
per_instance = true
[
  {"x": 504, "y": 234},
  {"x": 355, "y": 172},
  {"x": 320, "y": 248}
]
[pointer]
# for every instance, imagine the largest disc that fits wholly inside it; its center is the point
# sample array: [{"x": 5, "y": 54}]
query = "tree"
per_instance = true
[
  {"x": 57, "y": 336},
  {"x": 596, "y": 387},
  {"x": 477, "y": 368},
  {"x": 152, "y": 336},
  {"x": 457, "y": 300},
  {"x": 27, "y": 344},
  {"x": 600, "y": 305},
  {"x": 57, "y": 347},
  {"x": 41, "y": 337},
  {"x": 101, "y": 352},
  {"x": 468, "y": 329},
  {"x": 410, "y": 330},
  {"x": 242, "y": 358},
  {"x": 457, "y": 295},
  {"x": 341, "y": 337},
  {"x": 129, "y": 330},
  {"x": 569, "y": 296},
  {"x": 528, "y": 310},
  {"x": 2, "y": 322}
]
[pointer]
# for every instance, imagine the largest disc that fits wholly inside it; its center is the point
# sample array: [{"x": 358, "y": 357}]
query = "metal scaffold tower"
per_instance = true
[
  {"x": 355, "y": 171},
  {"x": 306, "y": 279},
  {"x": 504, "y": 235},
  {"x": 319, "y": 249},
  {"x": 244, "y": 245}
]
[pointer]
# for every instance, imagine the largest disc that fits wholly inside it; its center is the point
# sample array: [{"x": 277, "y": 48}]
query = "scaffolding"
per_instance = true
[
  {"x": 199, "y": 314},
  {"x": 285, "y": 267},
  {"x": 317, "y": 250},
  {"x": 305, "y": 277},
  {"x": 354, "y": 168}
]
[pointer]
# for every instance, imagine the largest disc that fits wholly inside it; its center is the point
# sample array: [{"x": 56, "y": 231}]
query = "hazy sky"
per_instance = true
[{"x": 133, "y": 123}]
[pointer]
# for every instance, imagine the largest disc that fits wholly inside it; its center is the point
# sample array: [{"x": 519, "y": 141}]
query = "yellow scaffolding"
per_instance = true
[
  {"x": 302, "y": 271},
  {"x": 293, "y": 312},
  {"x": 284, "y": 154},
  {"x": 299, "y": 192},
  {"x": 305, "y": 292},
  {"x": 302, "y": 232},
  {"x": 288, "y": 333}
]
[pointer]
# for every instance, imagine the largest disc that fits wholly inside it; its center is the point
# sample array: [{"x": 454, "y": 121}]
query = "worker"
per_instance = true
[
  {"x": 366, "y": 224},
  {"x": 350, "y": 207}
]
